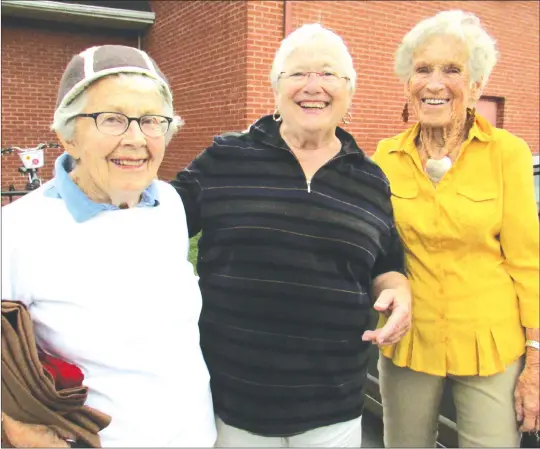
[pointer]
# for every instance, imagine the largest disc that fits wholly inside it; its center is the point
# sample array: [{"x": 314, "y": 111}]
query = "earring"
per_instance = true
[
  {"x": 276, "y": 116},
  {"x": 405, "y": 113},
  {"x": 348, "y": 118},
  {"x": 471, "y": 117}
]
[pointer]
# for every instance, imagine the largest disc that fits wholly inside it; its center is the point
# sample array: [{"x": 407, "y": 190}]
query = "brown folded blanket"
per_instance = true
[{"x": 29, "y": 394}]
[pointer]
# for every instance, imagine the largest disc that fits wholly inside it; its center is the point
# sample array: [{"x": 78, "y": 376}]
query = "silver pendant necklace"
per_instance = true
[{"x": 437, "y": 168}]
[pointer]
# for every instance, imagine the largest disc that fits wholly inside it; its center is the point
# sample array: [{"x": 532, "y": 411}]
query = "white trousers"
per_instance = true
[{"x": 345, "y": 434}]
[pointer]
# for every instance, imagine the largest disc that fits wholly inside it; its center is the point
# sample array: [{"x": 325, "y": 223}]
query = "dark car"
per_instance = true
[
  {"x": 447, "y": 418},
  {"x": 536, "y": 177}
]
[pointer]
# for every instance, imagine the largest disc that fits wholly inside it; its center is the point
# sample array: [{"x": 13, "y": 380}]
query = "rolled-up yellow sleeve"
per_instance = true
[{"x": 519, "y": 235}]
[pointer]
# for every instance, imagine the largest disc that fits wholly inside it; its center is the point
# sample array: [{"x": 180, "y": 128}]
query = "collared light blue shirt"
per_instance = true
[{"x": 77, "y": 202}]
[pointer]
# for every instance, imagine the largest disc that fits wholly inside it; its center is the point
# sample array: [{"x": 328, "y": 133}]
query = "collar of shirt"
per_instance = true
[
  {"x": 77, "y": 202},
  {"x": 266, "y": 129},
  {"x": 481, "y": 130}
]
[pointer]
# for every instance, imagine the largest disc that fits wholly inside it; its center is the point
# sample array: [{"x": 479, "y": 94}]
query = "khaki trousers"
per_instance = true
[
  {"x": 484, "y": 407},
  {"x": 344, "y": 434}
]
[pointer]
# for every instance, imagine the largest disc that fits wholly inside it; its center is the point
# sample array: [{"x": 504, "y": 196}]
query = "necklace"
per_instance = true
[{"x": 437, "y": 168}]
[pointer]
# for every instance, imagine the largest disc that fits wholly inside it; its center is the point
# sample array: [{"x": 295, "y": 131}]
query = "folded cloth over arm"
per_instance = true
[{"x": 52, "y": 395}]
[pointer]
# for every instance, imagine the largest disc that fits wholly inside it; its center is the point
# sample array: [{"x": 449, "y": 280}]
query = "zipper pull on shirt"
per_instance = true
[{"x": 308, "y": 182}]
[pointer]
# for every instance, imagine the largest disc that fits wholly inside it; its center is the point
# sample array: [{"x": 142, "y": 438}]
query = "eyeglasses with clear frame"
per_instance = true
[
  {"x": 116, "y": 123},
  {"x": 326, "y": 77}
]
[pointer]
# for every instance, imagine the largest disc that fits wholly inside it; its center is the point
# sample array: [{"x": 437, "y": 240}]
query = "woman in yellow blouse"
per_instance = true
[{"x": 463, "y": 198}]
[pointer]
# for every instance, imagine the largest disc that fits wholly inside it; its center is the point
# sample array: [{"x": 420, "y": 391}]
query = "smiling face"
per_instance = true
[
  {"x": 439, "y": 89},
  {"x": 313, "y": 102},
  {"x": 121, "y": 166}
]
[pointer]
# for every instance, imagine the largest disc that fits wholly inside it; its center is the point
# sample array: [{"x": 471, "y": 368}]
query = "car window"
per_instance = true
[
  {"x": 537, "y": 188},
  {"x": 536, "y": 171}
]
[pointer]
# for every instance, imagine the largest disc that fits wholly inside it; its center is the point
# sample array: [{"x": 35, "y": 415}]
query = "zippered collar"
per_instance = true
[{"x": 266, "y": 130}]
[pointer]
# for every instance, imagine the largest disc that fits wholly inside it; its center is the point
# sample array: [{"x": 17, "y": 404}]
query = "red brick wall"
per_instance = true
[
  {"x": 33, "y": 60},
  {"x": 373, "y": 30},
  {"x": 201, "y": 48},
  {"x": 218, "y": 55},
  {"x": 265, "y": 32}
]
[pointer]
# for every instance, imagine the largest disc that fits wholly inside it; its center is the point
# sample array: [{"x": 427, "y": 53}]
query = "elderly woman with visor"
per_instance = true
[
  {"x": 298, "y": 245},
  {"x": 464, "y": 202},
  {"x": 94, "y": 287}
]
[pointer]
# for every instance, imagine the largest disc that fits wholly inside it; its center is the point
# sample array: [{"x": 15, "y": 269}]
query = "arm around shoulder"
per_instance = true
[{"x": 188, "y": 183}]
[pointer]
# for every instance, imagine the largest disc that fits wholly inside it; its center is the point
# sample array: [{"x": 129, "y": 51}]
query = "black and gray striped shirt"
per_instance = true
[{"x": 285, "y": 273}]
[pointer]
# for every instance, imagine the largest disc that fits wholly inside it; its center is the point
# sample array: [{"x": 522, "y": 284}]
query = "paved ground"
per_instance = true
[{"x": 372, "y": 431}]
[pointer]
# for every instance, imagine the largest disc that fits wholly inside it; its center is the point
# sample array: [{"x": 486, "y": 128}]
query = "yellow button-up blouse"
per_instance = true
[{"x": 472, "y": 250}]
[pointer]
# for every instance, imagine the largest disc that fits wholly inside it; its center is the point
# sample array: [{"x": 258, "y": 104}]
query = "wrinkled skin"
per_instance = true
[
  {"x": 441, "y": 72},
  {"x": 395, "y": 304},
  {"x": 527, "y": 392},
  {"x": 30, "y": 435}
]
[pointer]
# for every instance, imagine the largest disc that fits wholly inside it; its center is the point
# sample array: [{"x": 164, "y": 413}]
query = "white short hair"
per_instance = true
[
  {"x": 465, "y": 26},
  {"x": 65, "y": 126},
  {"x": 304, "y": 36}
]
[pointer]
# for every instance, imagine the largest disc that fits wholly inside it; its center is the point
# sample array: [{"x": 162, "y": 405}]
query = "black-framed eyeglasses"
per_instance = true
[{"x": 116, "y": 123}]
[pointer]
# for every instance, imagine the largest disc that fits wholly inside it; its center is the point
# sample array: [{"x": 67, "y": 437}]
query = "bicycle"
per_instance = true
[{"x": 32, "y": 159}]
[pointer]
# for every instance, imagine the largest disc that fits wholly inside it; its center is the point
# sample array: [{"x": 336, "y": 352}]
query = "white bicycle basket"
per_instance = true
[{"x": 32, "y": 158}]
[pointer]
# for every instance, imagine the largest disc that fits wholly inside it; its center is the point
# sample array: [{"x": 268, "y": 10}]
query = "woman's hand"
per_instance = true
[
  {"x": 30, "y": 435},
  {"x": 396, "y": 304},
  {"x": 527, "y": 401}
]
